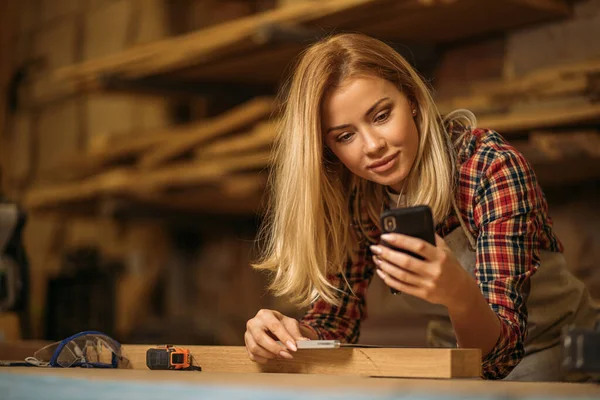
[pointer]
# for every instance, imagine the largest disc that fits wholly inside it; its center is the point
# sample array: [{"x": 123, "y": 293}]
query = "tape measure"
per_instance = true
[{"x": 170, "y": 357}]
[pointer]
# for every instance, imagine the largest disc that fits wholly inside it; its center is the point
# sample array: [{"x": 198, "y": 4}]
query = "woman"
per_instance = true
[{"x": 360, "y": 132}]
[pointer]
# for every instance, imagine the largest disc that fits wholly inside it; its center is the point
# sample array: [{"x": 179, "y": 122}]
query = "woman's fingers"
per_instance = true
[
  {"x": 255, "y": 352},
  {"x": 412, "y": 244},
  {"x": 398, "y": 285},
  {"x": 275, "y": 325},
  {"x": 398, "y": 273},
  {"x": 399, "y": 259}
]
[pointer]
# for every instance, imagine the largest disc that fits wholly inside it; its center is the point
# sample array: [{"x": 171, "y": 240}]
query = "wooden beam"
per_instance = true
[
  {"x": 378, "y": 362},
  {"x": 233, "y": 41},
  {"x": 543, "y": 118},
  {"x": 130, "y": 181},
  {"x": 228, "y": 122},
  {"x": 260, "y": 137},
  {"x": 115, "y": 149},
  {"x": 204, "y": 45},
  {"x": 546, "y": 85}
]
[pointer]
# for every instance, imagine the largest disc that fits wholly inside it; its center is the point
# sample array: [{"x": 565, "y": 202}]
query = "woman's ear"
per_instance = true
[{"x": 414, "y": 108}]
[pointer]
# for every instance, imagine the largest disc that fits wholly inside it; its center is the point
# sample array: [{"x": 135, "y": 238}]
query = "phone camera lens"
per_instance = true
[{"x": 389, "y": 224}]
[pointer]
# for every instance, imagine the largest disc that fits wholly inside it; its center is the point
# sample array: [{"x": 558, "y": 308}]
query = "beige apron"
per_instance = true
[{"x": 557, "y": 298}]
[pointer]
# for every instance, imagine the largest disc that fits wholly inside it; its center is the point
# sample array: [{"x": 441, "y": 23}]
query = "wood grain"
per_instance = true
[
  {"x": 231, "y": 42},
  {"x": 251, "y": 112},
  {"x": 380, "y": 362}
]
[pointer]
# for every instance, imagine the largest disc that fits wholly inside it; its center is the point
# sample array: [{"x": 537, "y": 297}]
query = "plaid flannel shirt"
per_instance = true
[{"x": 506, "y": 211}]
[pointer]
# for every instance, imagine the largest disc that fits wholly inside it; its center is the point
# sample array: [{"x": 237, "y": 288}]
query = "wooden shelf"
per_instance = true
[
  {"x": 257, "y": 49},
  {"x": 561, "y": 96},
  {"x": 212, "y": 165}
]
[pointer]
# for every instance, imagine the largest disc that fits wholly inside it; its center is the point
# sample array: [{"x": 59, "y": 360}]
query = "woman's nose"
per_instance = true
[{"x": 373, "y": 143}]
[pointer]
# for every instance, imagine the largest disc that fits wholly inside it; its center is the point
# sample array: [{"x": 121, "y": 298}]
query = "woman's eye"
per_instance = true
[
  {"x": 382, "y": 117},
  {"x": 344, "y": 137}
]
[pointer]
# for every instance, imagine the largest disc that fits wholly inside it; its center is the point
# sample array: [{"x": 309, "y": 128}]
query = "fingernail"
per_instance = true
[
  {"x": 291, "y": 345},
  {"x": 381, "y": 274},
  {"x": 376, "y": 260},
  {"x": 303, "y": 338},
  {"x": 376, "y": 249},
  {"x": 285, "y": 354},
  {"x": 387, "y": 237}
]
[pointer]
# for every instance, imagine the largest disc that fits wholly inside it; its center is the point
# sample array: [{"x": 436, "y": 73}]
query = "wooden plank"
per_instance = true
[
  {"x": 557, "y": 146},
  {"x": 202, "y": 45},
  {"x": 258, "y": 138},
  {"x": 20, "y": 349},
  {"x": 544, "y": 118},
  {"x": 107, "y": 149},
  {"x": 378, "y": 362},
  {"x": 550, "y": 84},
  {"x": 407, "y": 19},
  {"x": 238, "y": 118},
  {"x": 133, "y": 182},
  {"x": 447, "y": 21},
  {"x": 191, "y": 174}
]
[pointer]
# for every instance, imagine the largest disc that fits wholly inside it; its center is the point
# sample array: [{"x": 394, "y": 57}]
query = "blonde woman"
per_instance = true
[{"x": 361, "y": 133}]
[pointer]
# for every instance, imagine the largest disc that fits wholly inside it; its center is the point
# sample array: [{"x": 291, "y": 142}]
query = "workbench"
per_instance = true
[
  {"x": 65, "y": 384},
  {"x": 348, "y": 373}
]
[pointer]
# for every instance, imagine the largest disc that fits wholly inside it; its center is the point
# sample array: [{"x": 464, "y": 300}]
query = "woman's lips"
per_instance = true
[{"x": 384, "y": 164}]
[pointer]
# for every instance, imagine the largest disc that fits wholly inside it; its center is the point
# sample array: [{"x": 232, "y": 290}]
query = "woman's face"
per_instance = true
[{"x": 369, "y": 125}]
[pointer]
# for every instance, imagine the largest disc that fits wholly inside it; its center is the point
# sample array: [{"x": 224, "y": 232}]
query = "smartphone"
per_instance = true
[{"x": 414, "y": 221}]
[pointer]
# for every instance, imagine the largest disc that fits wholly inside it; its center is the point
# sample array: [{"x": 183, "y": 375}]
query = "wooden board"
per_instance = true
[
  {"x": 381, "y": 362},
  {"x": 130, "y": 181},
  {"x": 539, "y": 89},
  {"x": 542, "y": 118},
  {"x": 248, "y": 114}
]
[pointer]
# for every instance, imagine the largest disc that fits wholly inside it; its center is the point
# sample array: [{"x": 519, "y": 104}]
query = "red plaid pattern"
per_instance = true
[{"x": 505, "y": 209}]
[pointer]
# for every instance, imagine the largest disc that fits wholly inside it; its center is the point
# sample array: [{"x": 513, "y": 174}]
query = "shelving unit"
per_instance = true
[{"x": 223, "y": 160}]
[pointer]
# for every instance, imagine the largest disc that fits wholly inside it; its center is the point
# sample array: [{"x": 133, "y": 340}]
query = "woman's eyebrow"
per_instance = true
[
  {"x": 369, "y": 111},
  {"x": 374, "y": 106},
  {"x": 334, "y": 128}
]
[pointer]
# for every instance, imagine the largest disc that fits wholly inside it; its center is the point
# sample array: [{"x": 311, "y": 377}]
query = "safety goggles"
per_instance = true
[{"x": 89, "y": 349}]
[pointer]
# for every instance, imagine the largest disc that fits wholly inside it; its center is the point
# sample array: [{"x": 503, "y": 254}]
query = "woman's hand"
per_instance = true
[
  {"x": 263, "y": 331},
  {"x": 438, "y": 279}
]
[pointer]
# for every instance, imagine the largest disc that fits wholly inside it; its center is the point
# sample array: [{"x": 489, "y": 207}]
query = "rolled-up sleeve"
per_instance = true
[
  {"x": 342, "y": 322},
  {"x": 507, "y": 213}
]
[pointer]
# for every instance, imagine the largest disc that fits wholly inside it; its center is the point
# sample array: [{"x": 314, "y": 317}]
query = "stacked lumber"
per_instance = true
[
  {"x": 549, "y": 98},
  {"x": 207, "y": 164},
  {"x": 257, "y": 48},
  {"x": 221, "y": 162},
  {"x": 552, "y": 116}
]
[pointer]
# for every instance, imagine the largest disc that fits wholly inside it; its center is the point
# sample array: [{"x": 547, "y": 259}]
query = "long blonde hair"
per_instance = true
[{"x": 308, "y": 232}]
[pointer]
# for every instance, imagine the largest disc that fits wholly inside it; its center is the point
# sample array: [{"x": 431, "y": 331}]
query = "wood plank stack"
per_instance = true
[
  {"x": 208, "y": 163},
  {"x": 257, "y": 48},
  {"x": 218, "y": 164},
  {"x": 551, "y": 115}
]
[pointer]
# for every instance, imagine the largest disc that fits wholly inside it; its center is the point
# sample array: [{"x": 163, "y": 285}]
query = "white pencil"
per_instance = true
[{"x": 316, "y": 344}]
